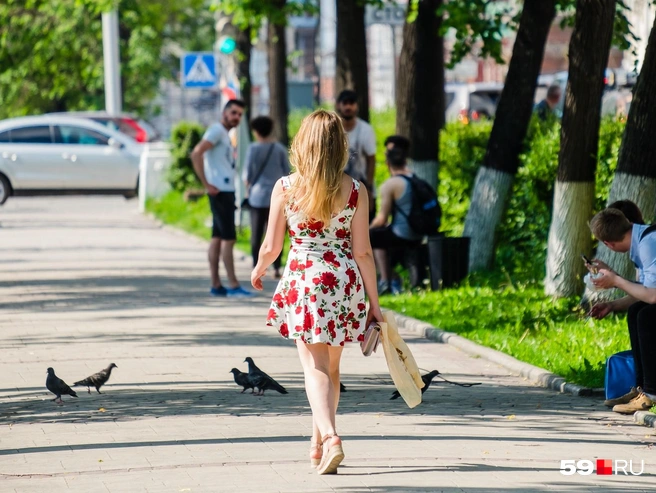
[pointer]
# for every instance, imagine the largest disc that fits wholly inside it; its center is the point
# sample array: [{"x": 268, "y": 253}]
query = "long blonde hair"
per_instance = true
[{"x": 319, "y": 153}]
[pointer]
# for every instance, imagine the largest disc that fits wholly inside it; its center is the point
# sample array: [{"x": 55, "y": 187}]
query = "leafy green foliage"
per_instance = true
[
  {"x": 184, "y": 138},
  {"x": 482, "y": 24},
  {"x": 250, "y": 13},
  {"x": 522, "y": 233},
  {"x": 477, "y": 23},
  {"x": 51, "y": 54},
  {"x": 521, "y": 321},
  {"x": 462, "y": 149}
]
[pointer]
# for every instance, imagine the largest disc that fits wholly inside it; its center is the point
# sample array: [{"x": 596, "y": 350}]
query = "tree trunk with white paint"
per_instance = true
[
  {"x": 569, "y": 234},
  {"x": 513, "y": 114},
  {"x": 420, "y": 103},
  {"x": 491, "y": 189},
  {"x": 642, "y": 191},
  {"x": 635, "y": 176}
]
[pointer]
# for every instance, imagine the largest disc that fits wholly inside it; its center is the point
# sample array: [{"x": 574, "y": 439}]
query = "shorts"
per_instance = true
[
  {"x": 223, "y": 215},
  {"x": 384, "y": 238}
]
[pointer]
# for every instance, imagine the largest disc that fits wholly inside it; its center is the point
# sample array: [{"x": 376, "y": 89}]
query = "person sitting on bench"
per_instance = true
[
  {"x": 396, "y": 201},
  {"x": 613, "y": 229}
]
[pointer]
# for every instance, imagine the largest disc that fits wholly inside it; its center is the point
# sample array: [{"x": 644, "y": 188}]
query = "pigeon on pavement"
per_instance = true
[
  {"x": 97, "y": 380},
  {"x": 57, "y": 386},
  {"x": 242, "y": 379},
  {"x": 260, "y": 380},
  {"x": 427, "y": 379},
  {"x": 266, "y": 383}
]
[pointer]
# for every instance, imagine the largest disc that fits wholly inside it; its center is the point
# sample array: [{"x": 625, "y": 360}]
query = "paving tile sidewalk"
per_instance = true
[{"x": 88, "y": 281}]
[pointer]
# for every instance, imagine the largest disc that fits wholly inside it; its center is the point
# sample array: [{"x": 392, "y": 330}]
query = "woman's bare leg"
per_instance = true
[
  {"x": 320, "y": 363},
  {"x": 335, "y": 380}
]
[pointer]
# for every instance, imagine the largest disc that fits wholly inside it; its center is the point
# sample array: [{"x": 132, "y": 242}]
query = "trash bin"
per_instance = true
[{"x": 448, "y": 260}]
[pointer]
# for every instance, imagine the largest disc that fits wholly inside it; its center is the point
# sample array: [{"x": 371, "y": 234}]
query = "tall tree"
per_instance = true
[
  {"x": 277, "y": 49},
  {"x": 351, "y": 71},
  {"x": 51, "y": 51},
  {"x": 501, "y": 161},
  {"x": 635, "y": 175},
  {"x": 249, "y": 15},
  {"x": 420, "y": 86},
  {"x": 579, "y": 138},
  {"x": 244, "y": 47}
]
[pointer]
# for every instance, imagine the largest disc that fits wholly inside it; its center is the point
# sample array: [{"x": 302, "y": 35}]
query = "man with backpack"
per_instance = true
[
  {"x": 613, "y": 229},
  {"x": 412, "y": 204}
]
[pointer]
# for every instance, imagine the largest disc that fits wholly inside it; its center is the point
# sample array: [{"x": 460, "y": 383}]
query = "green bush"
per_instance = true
[
  {"x": 184, "y": 138},
  {"x": 521, "y": 237},
  {"x": 462, "y": 149}
]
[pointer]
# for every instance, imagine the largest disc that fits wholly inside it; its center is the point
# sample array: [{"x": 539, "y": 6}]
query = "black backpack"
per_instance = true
[{"x": 425, "y": 213}]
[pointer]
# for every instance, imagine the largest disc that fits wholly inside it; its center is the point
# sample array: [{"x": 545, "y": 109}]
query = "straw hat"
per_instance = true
[{"x": 400, "y": 361}]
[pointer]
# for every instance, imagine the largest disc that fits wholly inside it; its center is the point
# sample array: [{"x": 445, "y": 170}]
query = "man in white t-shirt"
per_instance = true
[
  {"x": 362, "y": 144},
  {"x": 214, "y": 163}
]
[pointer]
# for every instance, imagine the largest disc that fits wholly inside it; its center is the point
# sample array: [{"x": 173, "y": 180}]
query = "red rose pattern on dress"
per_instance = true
[{"x": 320, "y": 298}]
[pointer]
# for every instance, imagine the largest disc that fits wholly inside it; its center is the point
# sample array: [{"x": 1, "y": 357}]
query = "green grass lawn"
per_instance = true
[
  {"x": 521, "y": 321},
  {"x": 195, "y": 218}
]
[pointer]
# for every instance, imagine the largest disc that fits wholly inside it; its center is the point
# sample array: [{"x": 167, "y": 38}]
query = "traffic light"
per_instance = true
[{"x": 227, "y": 44}]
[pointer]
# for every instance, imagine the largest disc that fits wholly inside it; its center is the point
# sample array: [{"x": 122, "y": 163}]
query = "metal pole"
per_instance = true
[
  {"x": 113, "y": 103},
  {"x": 394, "y": 69}
]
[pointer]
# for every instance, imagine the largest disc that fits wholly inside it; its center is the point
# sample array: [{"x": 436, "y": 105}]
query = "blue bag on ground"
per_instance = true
[{"x": 620, "y": 374}]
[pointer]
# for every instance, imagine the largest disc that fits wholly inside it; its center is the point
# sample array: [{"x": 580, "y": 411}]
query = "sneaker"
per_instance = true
[
  {"x": 238, "y": 292},
  {"x": 640, "y": 403},
  {"x": 220, "y": 291},
  {"x": 383, "y": 288},
  {"x": 395, "y": 286},
  {"x": 625, "y": 399}
]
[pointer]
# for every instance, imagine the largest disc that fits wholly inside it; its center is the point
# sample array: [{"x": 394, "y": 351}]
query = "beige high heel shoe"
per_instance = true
[
  {"x": 332, "y": 457},
  {"x": 315, "y": 461}
]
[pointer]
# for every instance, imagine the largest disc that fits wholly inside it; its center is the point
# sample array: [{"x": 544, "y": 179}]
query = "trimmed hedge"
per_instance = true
[{"x": 184, "y": 137}]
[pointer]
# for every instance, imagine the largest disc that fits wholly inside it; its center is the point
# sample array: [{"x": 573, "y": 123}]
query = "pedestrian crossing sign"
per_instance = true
[{"x": 198, "y": 70}]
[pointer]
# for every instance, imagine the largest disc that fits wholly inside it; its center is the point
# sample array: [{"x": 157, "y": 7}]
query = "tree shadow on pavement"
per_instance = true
[
  {"x": 485, "y": 404},
  {"x": 119, "y": 292}
]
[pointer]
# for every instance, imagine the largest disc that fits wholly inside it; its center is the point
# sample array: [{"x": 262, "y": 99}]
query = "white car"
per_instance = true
[
  {"x": 471, "y": 101},
  {"x": 54, "y": 154}
]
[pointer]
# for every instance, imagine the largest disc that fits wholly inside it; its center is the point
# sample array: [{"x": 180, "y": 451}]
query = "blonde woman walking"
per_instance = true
[{"x": 320, "y": 300}]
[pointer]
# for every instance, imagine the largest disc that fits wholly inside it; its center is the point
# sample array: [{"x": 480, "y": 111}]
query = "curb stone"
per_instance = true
[
  {"x": 537, "y": 375},
  {"x": 645, "y": 418}
]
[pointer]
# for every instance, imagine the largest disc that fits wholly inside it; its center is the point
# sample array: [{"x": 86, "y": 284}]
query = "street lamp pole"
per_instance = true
[{"x": 113, "y": 103}]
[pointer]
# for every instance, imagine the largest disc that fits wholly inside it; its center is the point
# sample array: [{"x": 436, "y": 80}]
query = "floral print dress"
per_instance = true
[{"x": 320, "y": 298}]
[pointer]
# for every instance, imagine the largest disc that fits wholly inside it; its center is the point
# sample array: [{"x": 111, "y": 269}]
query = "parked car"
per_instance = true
[
  {"x": 55, "y": 154},
  {"x": 132, "y": 126},
  {"x": 472, "y": 101}
]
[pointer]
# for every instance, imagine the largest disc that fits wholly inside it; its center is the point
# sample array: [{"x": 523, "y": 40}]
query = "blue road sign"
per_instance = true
[{"x": 198, "y": 70}]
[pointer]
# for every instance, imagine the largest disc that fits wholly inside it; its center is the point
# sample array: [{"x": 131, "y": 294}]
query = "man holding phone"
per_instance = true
[{"x": 614, "y": 230}]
